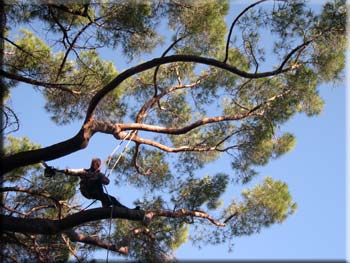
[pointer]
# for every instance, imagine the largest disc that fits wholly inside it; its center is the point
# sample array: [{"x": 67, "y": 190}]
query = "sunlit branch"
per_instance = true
[
  {"x": 170, "y": 59},
  {"x": 141, "y": 114},
  {"x": 183, "y": 130},
  {"x": 66, "y": 241},
  {"x": 180, "y": 213},
  {"x": 75, "y": 237},
  {"x": 34, "y": 209}
]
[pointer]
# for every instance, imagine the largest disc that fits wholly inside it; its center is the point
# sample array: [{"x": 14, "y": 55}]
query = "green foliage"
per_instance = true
[
  {"x": 329, "y": 49},
  {"x": 89, "y": 73},
  {"x": 130, "y": 25},
  {"x": 15, "y": 145},
  {"x": 65, "y": 54},
  {"x": 202, "y": 21},
  {"x": 40, "y": 205},
  {"x": 36, "y": 54},
  {"x": 284, "y": 144},
  {"x": 265, "y": 204},
  {"x": 194, "y": 193},
  {"x": 153, "y": 172}
]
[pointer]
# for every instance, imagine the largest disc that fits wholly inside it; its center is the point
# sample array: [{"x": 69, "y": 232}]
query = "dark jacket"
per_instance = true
[{"x": 91, "y": 182}]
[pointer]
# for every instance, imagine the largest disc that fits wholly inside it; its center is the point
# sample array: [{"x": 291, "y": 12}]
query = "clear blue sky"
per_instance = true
[{"x": 314, "y": 170}]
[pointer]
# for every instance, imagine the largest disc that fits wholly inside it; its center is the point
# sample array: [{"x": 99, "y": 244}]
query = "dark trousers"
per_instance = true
[{"x": 108, "y": 200}]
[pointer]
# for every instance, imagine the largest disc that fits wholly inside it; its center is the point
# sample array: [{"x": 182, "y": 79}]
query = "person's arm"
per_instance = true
[
  {"x": 73, "y": 172},
  {"x": 104, "y": 179},
  {"x": 51, "y": 171}
]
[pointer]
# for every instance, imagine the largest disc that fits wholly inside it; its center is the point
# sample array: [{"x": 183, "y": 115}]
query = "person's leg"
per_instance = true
[
  {"x": 108, "y": 200},
  {"x": 114, "y": 201}
]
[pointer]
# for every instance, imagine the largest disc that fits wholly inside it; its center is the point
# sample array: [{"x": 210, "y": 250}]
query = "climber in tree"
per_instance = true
[{"x": 91, "y": 182}]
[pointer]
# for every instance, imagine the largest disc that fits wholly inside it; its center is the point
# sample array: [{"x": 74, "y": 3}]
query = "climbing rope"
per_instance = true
[
  {"x": 120, "y": 155},
  {"x": 108, "y": 160}
]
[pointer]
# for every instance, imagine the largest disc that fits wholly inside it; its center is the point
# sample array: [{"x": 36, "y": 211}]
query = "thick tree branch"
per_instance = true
[
  {"x": 81, "y": 140},
  {"x": 170, "y": 59},
  {"x": 183, "y": 130},
  {"x": 49, "y": 226},
  {"x": 77, "y": 142}
]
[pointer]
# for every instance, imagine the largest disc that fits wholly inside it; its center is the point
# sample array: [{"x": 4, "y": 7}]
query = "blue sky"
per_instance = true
[{"x": 314, "y": 170}]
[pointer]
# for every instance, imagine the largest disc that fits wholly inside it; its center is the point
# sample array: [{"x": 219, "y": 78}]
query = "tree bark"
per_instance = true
[{"x": 50, "y": 227}]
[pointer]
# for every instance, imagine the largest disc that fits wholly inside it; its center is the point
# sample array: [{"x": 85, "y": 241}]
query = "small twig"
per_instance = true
[{"x": 66, "y": 241}]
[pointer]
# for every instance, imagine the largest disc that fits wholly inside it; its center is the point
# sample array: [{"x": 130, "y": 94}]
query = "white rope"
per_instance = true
[
  {"x": 121, "y": 154},
  {"x": 110, "y": 171},
  {"x": 108, "y": 160}
]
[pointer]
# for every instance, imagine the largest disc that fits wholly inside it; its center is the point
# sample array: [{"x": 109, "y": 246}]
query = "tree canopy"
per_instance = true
[{"x": 212, "y": 87}]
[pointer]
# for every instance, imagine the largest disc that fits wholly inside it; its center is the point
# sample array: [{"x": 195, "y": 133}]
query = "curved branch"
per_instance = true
[
  {"x": 9, "y": 114},
  {"x": 49, "y": 226},
  {"x": 77, "y": 142},
  {"x": 154, "y": 99},
  {"x": 183, "y": 130},
  {"x": 169, "y": 59},
  {"x": 157, "y": 68},
  {"x": 28, "y": 191},
  {"x": 81, "y": 140},
  {"x": 71, "y": 46}
]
